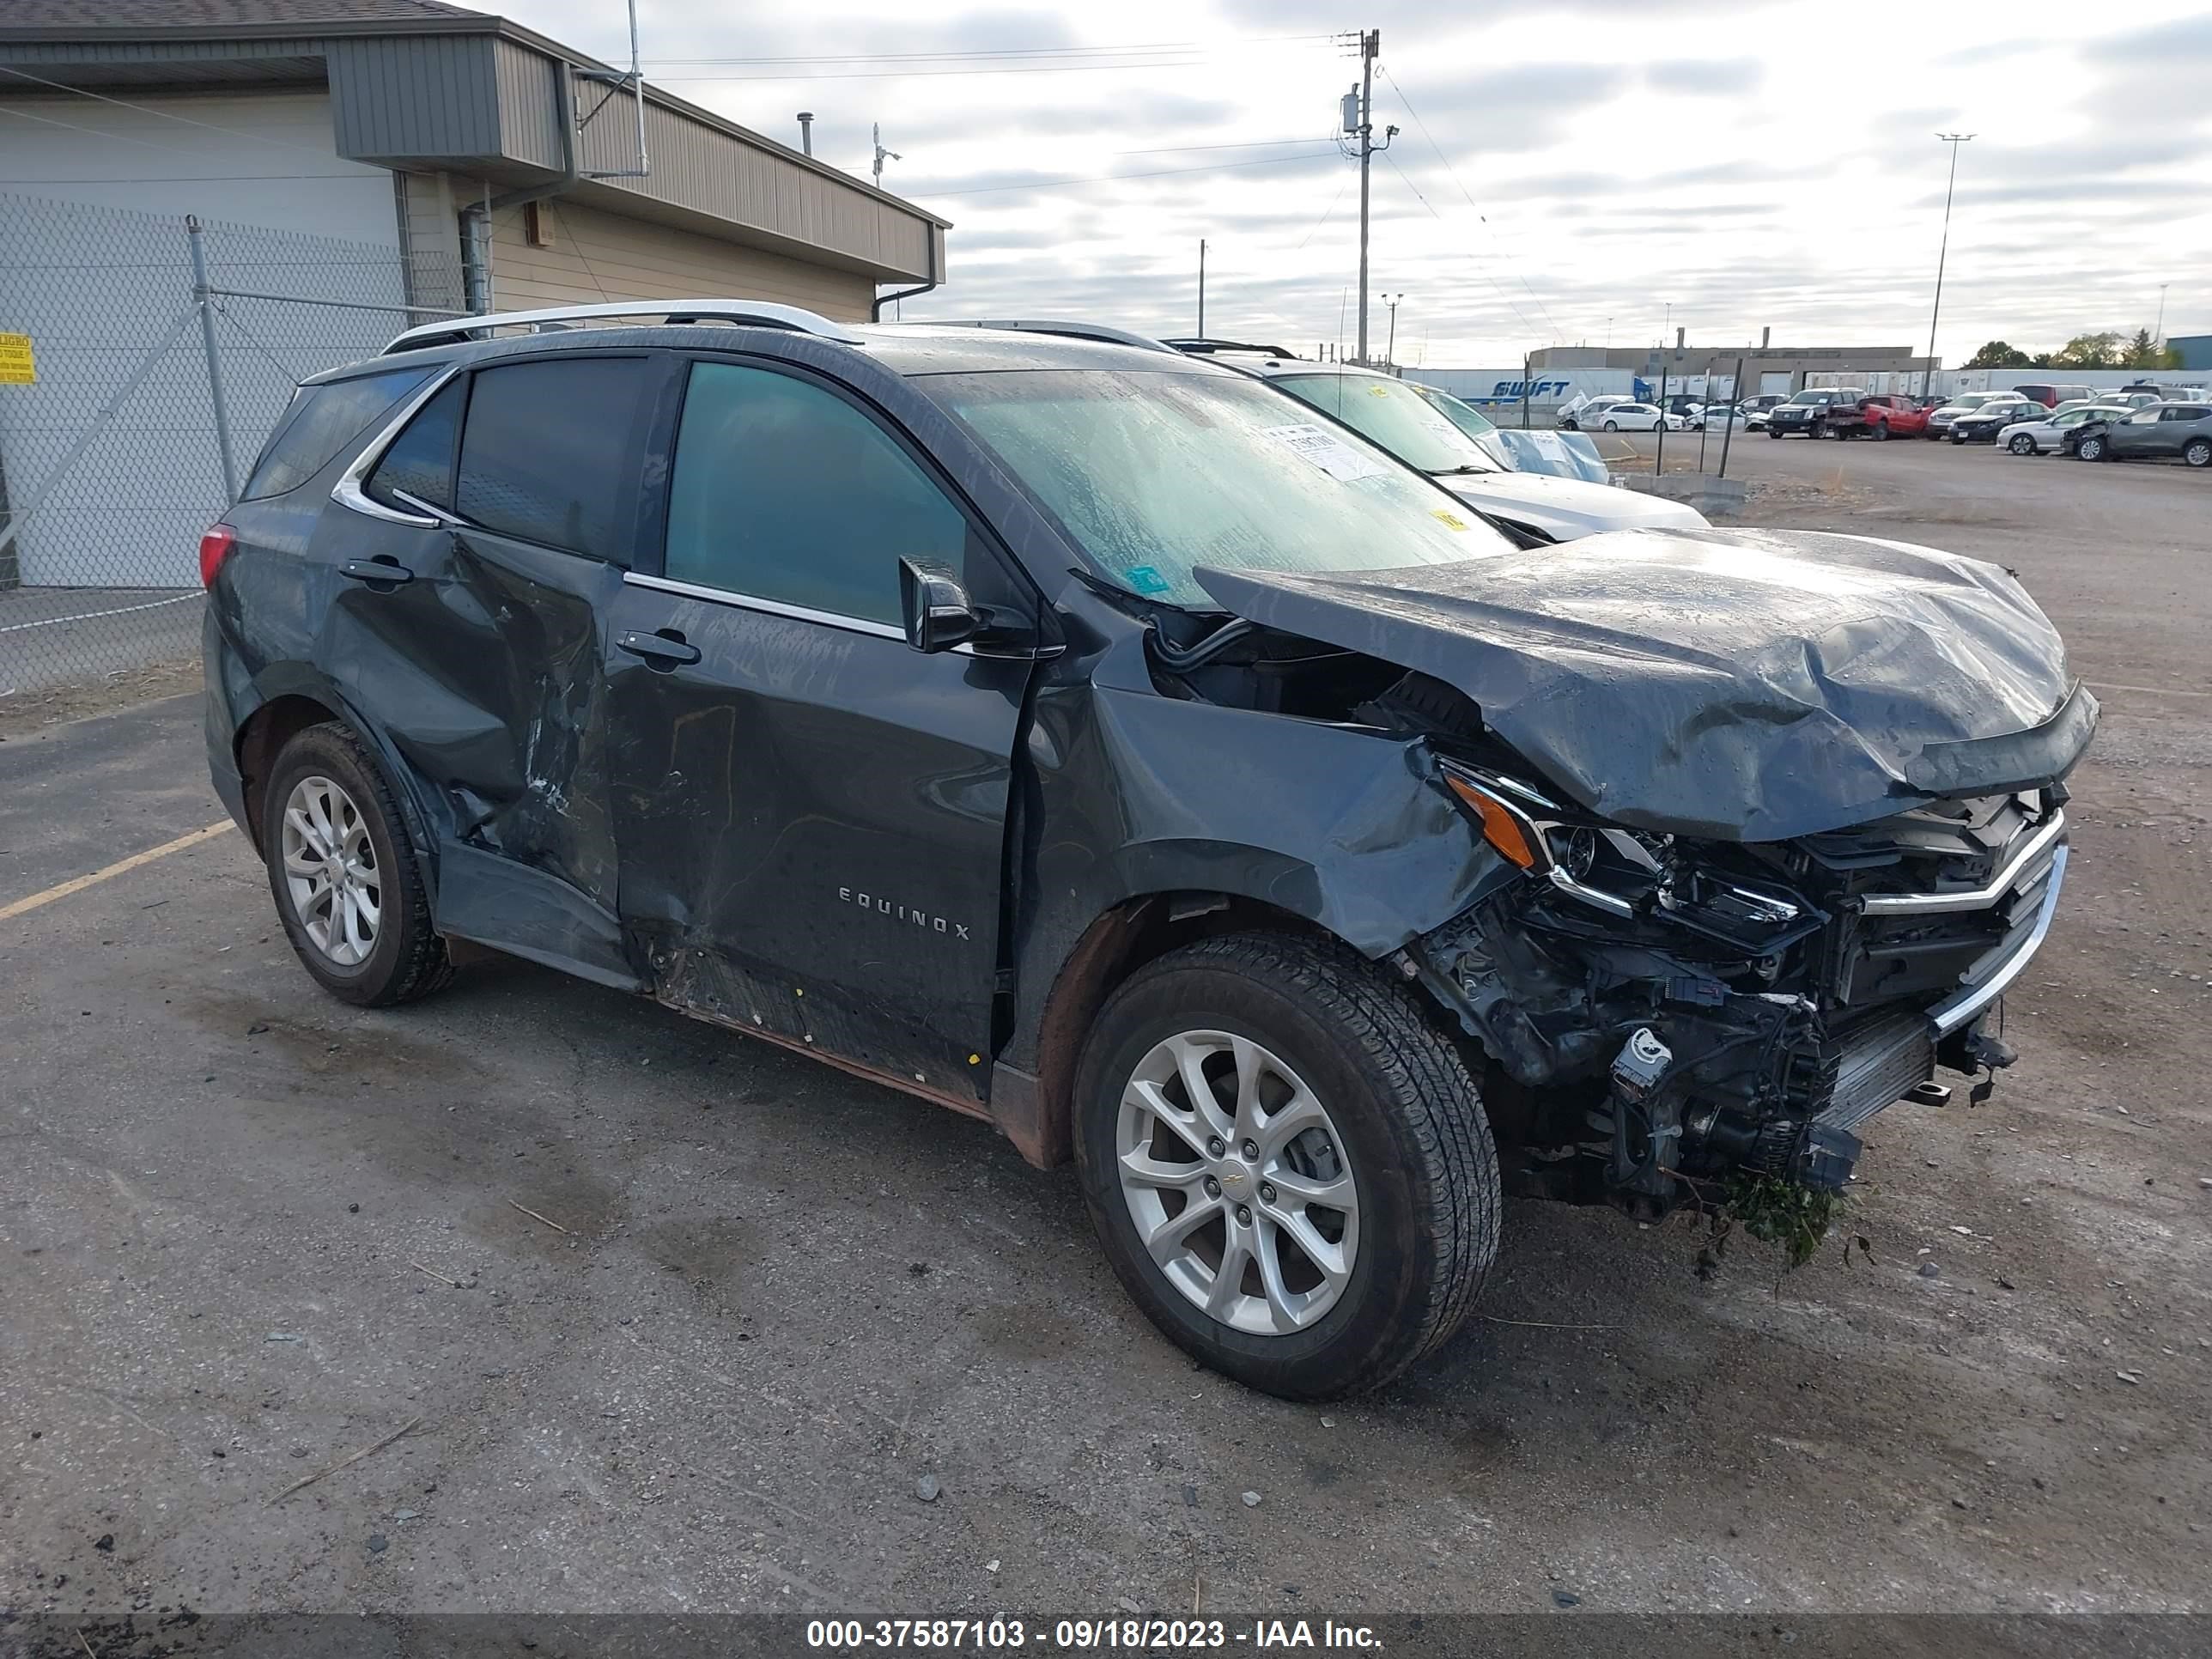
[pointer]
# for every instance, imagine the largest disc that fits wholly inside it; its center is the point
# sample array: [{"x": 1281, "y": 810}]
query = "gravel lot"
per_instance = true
[{"x": 248, "y": 1231}]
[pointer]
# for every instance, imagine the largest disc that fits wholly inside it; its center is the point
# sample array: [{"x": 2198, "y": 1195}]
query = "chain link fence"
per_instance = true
[{"x": 165, "y": 350}]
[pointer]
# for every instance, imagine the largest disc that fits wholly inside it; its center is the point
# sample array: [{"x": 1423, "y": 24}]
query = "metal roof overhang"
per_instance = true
[{"x": 477, "y": 96}]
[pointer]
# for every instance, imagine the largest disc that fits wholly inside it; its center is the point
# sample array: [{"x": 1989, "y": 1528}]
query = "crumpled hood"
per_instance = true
[{"x": 1740, "y": 685}]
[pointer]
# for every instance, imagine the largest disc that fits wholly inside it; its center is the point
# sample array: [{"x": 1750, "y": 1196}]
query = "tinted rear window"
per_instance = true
[
  {"x": 421, "y": 459},
  {"x": 322, "y": 421},
  {"x": 548, "y": 452}
]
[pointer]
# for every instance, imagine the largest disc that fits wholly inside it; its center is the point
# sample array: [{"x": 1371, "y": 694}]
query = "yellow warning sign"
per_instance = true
[{"x": 16, "y": 366}]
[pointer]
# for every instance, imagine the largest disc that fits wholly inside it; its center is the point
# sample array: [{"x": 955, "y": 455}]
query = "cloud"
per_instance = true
[
  {"x": 1711, "y": 77},
  {"x": 2164, "y": 45}
]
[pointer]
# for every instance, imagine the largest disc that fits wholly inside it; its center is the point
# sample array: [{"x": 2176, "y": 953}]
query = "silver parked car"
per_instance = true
[{"x": 2044, "y": 436}]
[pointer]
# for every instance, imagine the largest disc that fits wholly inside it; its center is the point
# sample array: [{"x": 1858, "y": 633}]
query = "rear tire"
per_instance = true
[
  {"x": 1612, "y": 426},
  {"x": 2197, "y": 452},
  {"x": 1316, "y": 1028},
  {"x": 347, "y": 885}
]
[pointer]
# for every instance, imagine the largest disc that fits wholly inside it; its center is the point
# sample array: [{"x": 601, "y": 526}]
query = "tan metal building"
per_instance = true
[
  {"x": 1766, "y": 368},
  {"x": 510, "y": 165}
]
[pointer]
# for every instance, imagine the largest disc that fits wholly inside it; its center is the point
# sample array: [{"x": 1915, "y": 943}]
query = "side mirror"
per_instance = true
[{"x": 936, "y": 609}]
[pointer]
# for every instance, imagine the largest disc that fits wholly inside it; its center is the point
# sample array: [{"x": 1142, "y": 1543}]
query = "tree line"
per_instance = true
[{"x": 2109, "y": 349}]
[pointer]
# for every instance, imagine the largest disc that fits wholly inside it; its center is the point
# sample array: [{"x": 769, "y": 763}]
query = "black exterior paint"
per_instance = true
[
  {"x": 1740, "y": 686},
  {"x": 811, "y": 830}
]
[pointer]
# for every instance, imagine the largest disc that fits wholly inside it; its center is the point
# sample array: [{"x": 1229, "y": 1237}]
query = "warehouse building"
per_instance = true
[
  {"x": 327, "y": 172},
  {"x": 1766, "y": 368},
  {"x": 398, "y": 122}
]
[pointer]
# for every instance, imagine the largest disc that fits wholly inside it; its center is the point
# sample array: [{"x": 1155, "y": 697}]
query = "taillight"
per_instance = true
[{"x": 215, "y": 548}]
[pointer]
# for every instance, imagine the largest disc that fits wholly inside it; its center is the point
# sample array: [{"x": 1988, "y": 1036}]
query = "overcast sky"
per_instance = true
[{"x": 1567, "y": 170}]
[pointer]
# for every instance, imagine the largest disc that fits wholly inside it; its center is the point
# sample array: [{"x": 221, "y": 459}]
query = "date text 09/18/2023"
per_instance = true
[{"x": 1001, "y": 1631}]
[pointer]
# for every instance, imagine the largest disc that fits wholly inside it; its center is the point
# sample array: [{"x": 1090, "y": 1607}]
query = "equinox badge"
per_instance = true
[{"x": 901, "y": 913}]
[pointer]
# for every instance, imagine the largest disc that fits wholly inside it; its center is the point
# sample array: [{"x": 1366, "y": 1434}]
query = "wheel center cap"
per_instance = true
[{"x": 1236, "y": 1180}]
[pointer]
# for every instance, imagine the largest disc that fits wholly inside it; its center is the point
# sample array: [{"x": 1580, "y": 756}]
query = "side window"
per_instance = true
[
  {"x": 549, "y": 452},
  {"x": 783, "y": 491},
  {"x": 323, "y": 420},
  {"x": 2144, "y": 417},
  {"x": 420, "y": 458}
]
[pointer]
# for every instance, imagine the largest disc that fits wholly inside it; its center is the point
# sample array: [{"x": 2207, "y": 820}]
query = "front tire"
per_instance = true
[
  {"x": 2090, "y": 449},
  {"x": 347, "y": 885},
  {"x": 2022, "y": 444},
  {"x": 1272, "y": 1105}
]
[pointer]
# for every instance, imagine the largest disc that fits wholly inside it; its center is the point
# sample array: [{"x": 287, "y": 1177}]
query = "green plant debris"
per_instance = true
[{"x": 1778, "y": 1212}]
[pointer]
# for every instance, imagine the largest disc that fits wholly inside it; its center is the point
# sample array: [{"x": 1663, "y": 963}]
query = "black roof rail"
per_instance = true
[
  {"x": 1070, "y": 330},
  {"x": 1200, "y": 345}
]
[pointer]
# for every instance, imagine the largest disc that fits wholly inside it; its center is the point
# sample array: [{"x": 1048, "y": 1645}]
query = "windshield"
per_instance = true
[
  {"x": 1467, "y": 418},
  {"x": 1394, "y": 414},
  {"x": 1152, "y": 475},
  {"x": 1815, "y": 398}
]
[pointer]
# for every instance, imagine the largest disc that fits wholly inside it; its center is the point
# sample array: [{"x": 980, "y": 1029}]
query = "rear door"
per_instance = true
[
  {"x": 813, "y": 816},
  {"x": 481, "y": 662},
  {"x": 2177, "y": 424}
]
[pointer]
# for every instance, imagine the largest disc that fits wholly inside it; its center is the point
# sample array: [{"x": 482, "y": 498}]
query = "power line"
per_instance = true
[
  {"x": 125, "y": 103},
  {"x": 1255, "y": 144},
  {"x": 1524, "y": 317},
  {"x": 937, "y": 75},
  {"x": 1453, "y": 174},
  {"x": 1343, "y": 185},
  {"x": 987, "y": 52},
  {"x": 1108, "y": 178},
  {"x": 984, "y": 53}
]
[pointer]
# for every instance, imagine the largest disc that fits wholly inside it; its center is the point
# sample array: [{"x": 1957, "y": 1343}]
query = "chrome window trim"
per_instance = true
[
  {"x": 347, "y": 491},
  {"x": 1949, "y": 1015},
  {"x": 1978, "y": 898},
  {"x": 769, "y": 607}
]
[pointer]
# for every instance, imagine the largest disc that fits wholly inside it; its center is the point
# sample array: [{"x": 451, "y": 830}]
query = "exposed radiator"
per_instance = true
[{"x": 1877, "y": 1063}]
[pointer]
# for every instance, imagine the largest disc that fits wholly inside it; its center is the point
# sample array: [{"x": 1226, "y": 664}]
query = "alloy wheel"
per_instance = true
[
  {"x": 331, "y": 874},
  {"x": 1238, "y": 1182}
]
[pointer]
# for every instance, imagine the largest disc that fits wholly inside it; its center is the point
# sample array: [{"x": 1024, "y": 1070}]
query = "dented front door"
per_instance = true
[
  {"x": 811, "y": 820},
  {"x": 811, "y": 814}
]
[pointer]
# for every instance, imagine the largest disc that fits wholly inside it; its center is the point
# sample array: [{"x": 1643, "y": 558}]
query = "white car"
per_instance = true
[
  {"x": 1395, "y": 416},
  {"x": 1585, "y": 414},
  {"x": 1637, "y": 417},
  {"x": 2041, "y": 437}
]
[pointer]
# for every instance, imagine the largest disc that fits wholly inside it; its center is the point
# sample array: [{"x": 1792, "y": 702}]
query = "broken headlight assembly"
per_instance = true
[{"x": 1625, "y": 873}]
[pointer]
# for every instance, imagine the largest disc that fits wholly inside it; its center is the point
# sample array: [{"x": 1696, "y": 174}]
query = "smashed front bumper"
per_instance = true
[{"x": 1643, "y": 1065}]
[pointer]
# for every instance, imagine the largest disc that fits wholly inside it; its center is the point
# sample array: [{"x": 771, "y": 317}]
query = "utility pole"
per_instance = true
[
  {"x": 881, "y": 154},
  {"x": 2158, "y": 334},
  {"x": 1954, "y": 139},
  {"x": 1390, "y": 350},
  {"x": 1201, "y": 288},
  {"x": 1359, "y": 124}
]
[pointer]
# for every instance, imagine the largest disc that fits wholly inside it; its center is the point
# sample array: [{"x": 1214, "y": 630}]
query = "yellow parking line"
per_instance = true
[{"x": 24, "y": 906}]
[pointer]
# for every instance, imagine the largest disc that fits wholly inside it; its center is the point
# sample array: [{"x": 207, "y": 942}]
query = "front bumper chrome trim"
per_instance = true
[
  {"x": 1949, "y": 1015},
  {"x": 1978, "y": 898}
]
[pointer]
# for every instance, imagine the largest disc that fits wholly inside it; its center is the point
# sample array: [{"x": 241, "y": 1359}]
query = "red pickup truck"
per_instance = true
[{"x": 1884, "y": 415}]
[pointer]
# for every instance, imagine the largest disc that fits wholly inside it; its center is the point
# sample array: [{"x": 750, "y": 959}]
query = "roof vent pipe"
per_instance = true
[{"x": 806, "y": 132}]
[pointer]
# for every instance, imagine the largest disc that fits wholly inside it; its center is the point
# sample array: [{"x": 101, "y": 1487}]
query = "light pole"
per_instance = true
[
  {"x": 1954, "y": 139},
  {"x": 1390, "y": 350},
  {"x": 2158, "y": 334}
]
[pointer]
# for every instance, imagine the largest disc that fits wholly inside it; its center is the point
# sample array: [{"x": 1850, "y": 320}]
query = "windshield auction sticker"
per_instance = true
[{"x": 1325, "y": 450}]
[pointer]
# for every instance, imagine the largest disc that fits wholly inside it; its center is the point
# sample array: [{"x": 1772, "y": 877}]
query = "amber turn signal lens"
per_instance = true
[{"x": 1500, "y": 828}]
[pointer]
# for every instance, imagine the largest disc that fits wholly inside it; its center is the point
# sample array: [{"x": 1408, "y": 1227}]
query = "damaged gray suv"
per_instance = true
[{"x": 1085, "y": 738}]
